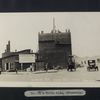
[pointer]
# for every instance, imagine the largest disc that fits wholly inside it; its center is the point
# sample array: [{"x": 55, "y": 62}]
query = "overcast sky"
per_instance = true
[{"x": 22, "y": 30}]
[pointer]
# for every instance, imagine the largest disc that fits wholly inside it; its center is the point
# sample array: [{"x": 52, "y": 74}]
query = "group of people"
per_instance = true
[{"x": 70, "y": 66}]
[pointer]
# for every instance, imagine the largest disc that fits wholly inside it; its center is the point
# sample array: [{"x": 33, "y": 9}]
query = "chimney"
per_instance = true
[
  {"x": 15, "y": 50},
  {"x": 8, "y": 47},
  {"x": 68, "y": 30},
  {"x": 42, "y": 32}
]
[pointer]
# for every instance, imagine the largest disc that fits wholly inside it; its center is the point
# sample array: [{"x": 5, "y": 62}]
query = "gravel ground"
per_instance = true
[{"x": 80, "y": 75}]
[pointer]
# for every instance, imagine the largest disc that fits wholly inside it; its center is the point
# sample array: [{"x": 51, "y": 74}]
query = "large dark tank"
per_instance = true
[{"x": 55, "y": 47}]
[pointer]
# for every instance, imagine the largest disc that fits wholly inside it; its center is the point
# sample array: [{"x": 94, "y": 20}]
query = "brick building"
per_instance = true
[
  {"x": 55, "y": 47},
  {"x": 10, "y": 60}
]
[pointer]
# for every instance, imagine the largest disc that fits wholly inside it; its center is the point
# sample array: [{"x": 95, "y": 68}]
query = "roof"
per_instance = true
[
  {"x": 11, "y": 54},
  {"x": 24, "y": 51},
  {"x": 62, "y": 38}
]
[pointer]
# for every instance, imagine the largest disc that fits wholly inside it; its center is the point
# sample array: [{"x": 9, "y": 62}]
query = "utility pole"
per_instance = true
[{"x": 54, "y": 26}]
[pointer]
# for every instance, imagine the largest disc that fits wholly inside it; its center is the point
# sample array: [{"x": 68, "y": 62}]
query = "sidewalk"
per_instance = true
[{"x": 29, "y": 72}]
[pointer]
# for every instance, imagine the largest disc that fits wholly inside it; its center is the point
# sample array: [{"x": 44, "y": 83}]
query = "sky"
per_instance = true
[{"x": 22, "y": 30}]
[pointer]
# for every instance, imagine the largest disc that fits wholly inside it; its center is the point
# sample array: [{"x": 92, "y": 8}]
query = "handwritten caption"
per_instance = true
[{"x": 41, "y": 93}]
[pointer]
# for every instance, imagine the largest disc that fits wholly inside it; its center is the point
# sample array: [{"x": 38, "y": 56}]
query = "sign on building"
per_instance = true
[{"x": 26, "y": 58}]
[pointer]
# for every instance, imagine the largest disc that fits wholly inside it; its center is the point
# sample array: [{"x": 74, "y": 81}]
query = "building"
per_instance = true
[
  {"x": 19, "y": 59},
  {"x": 84, "y": 60},
  {"x": 55, "y": 47}
]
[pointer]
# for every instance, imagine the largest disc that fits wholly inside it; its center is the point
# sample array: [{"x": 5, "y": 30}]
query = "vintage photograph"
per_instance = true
[{"x": 50, "y": 47}]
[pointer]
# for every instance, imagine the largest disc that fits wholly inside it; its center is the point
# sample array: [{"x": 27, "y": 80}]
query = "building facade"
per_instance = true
[
  {"x": 10, "y": 60},
  {"x": 55, "y": 47}
]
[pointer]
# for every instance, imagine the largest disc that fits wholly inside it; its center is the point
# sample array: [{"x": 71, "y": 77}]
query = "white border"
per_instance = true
[{"x": 49, "y": 84}]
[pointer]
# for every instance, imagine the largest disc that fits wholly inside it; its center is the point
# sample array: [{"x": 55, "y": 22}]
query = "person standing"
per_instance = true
[
  {"x": 46, "y": 67},
  {"x": 0, "y": 70},
  {"x": 31, "y": 68},
  {"x": 16, "y": 70}
]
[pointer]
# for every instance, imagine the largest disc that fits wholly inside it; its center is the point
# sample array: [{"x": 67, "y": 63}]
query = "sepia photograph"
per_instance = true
[{"x": 50, "y": 47}]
